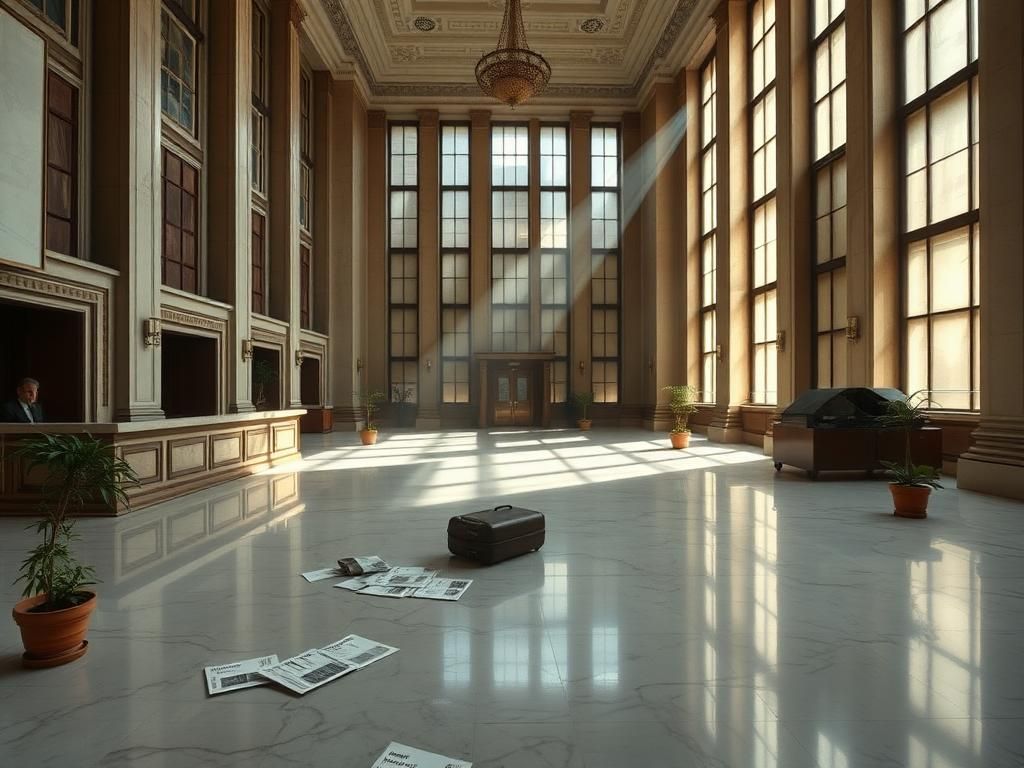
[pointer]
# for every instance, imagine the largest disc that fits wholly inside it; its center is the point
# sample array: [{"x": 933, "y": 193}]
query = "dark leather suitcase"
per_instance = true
[{"x": 496, "y": 534}]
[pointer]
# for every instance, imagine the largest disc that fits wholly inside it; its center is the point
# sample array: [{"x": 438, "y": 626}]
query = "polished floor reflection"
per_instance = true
[{"x": 689, "y": 609}]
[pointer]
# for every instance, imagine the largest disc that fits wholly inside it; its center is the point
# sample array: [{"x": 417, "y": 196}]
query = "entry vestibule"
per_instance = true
[{"x": 515, "y": 389}]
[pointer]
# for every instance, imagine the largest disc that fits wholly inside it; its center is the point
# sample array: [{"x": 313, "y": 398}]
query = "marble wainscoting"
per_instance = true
[{"x": 690, "y": 608}]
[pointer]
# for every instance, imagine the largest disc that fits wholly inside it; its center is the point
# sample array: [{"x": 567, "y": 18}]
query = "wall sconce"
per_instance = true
[
  {"x": 429, "y": 364},
  {"x": 852, "y": 328},
  {"x": 582, "y": 367},
  {"x": 247, "y": 350},
  {"x": 650, "y": 364},
  {"x": 299, "y": 357},
  {"x": 718, "y": 352},
  {"x": 780, "y": 341},
  {"x": 151, "y": 332}
]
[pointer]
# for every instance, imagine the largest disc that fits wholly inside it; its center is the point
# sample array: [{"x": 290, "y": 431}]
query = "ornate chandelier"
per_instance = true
[{"x": 512, "y": 73}]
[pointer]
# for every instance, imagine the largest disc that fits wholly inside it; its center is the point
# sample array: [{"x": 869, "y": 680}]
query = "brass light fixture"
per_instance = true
[{"x": 512, "y": 73}]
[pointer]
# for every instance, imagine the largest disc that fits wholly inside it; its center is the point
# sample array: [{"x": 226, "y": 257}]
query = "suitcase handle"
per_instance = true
[{"x": 503, "y": 506}]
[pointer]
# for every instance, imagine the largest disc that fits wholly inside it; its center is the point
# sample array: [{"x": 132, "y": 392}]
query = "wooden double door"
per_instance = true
[{"x": 513, "y": 396}]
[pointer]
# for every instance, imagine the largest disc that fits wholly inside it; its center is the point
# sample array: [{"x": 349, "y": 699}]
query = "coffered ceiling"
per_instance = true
[{"x": 598, "y": 49}]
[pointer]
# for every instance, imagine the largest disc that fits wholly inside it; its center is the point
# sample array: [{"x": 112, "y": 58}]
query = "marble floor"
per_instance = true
[{"x": 689, "y": 609}]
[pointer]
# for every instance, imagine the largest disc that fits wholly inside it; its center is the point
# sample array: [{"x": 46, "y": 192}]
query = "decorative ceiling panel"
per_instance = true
[{"x": 596, "y": 48}]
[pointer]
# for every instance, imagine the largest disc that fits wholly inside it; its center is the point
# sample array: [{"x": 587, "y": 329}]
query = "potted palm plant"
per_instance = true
[
  {"x": 54, "y": 614},
  {"x": 911, "y": 483},
  {"x": 681, "y": 399},
  {"x": 371, "y": 404},
  {"x": 582, "y": 401}
]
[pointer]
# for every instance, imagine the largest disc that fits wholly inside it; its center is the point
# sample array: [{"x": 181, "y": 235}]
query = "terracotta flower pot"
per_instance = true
[
  {"x": 52, "y": 638},
  {"x": 910, "y": 500},
  {"x": 584, "y": 424},
  {"x": 679, "y": 439},
  {"x": 368, "y": 436}
]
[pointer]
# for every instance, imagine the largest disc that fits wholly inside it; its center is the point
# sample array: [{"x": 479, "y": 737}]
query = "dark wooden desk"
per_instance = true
[{"x": 825, "y": 449}]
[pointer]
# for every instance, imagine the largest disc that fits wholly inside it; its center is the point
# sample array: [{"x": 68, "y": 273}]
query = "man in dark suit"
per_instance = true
[{"x": 24, "y": 409}]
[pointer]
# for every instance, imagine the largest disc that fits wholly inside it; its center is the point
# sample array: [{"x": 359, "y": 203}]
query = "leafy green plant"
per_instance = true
[
  {"x": 399, "y": 395},
  {"x": 681, "y": 401},
  {"x": 912, "y": 474},
  {"x": 371, "y": 402},
  {"x": 908, "y": 415},
  {"x": 79, "y": 470},
  {"x": 582, "y": 401},
  {"x": 263, "y": 377}
]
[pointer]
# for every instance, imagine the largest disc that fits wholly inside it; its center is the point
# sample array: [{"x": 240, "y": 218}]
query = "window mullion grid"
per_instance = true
[
  {"x": 708, "y": 241},
  {"x": 453, "y": 361},
  {"x": 930, "y": 230},
  {"x": 509, "y": 256},
  {"x": 557, "y": 309},
  {"x": 601, "y": 256},
  {"x": 402, "y": 368}
]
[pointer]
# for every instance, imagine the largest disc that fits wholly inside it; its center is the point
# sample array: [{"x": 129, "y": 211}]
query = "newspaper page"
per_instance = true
[
  {"x": 358, "y": 566},
  {"x": 320, "y": 575},
  {"x": 387, "y": 591},
  {"x": 358, "y": 651},
  {"x": 401, "y": 577},
  {"x": 240, "y": 674},
  {"x": 444, "y": 589},
  {"x": 353, "y": 585},
  {"x": 307, "y": 671},
  {"x": 400, "y": 756}
]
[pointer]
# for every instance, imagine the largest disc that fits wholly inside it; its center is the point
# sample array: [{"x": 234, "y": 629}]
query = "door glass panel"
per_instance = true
[
  {"x": 503, "y": 389},
  {"x": 522, "y": 389}
]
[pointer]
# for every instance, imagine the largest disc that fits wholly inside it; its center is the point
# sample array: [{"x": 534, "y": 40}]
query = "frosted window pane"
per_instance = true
[
  {"x": 950, "y": 270},
  {"x": 949, "y": 187},
  {"x": 917, "y": 355},
  {"x": 914, "y": 57},
  {"x": 917, "y": 202},
  {"x": 824, "y": 361},
  {"x": 824, "y": 302},
  {"x": 839, "y": 299},
  {"x": 947, "y": 30},
  {"x": 821, "y": 71},
  {"x": 948, "y": 125},
  {"x": 838, "y": 360},
  {"x": 951, "y": 361},
  {"x": 917, "y": 279}
]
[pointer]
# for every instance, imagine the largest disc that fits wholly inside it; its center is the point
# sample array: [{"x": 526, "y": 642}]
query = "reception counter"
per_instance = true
[{"x": 171, "y": 456}]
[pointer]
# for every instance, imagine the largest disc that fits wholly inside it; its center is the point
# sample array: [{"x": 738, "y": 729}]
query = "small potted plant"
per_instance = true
[
  {"x": 371, "y": 404},
  {"x": 681, "y": 400},
  {"x": 54, "y": 616},
  {"x": 403, "y": 406},
  {"x": 911, "y": 483},
  {"x": 582, "y": 401}
]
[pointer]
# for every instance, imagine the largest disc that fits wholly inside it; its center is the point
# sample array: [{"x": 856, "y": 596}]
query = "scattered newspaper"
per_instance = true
[
  {"x": 408, "y": 576},
  {"x": 323, "y": 573},
  {"x": 353, "y": 585},
  {"x": 307, "y": 671},
  {"x": 444, "y": 589},
  {"x": 241, "y": 674},
  {"x": 387, "y": 591},
  {"x": 358, "y": 566},
  {"x": 358, "y": 651},
  {"x": 401, "y": 756}
]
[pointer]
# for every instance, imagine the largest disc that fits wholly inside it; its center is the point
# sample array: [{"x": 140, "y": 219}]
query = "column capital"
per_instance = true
[
  {"x": 376, "y": 119},
  {"x": 720, "y": 16},
  {"x": 295, "y": 11},
  {"x": 480, "y": 118},
  {"x": 429, "y": 118},
  {"x": 631, "y": 121},
  {"x": 580, "y": 119}
]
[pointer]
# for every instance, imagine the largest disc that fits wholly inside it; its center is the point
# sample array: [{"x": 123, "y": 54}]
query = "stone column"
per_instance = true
[
  {"x": 285, "y": 17},
  {"x": 793, "y": 142},
  {"x": 127, "y": 216},
  {"x": 374, "y": 349},
  {"x": 995, "y": 461},
  {"x": 358, "y": 256},
  {"x": 428, "y": 414},
  {"x": 579, "y": 253},
  {"x": 323, "y": 220},
  {"x": 660, "y": 359},
  {"x": 229, "y": 178},
  {"x": 733, "y": 289},
  {"x": 872, "y": 147},
  {"x": 480, "y": 245}
]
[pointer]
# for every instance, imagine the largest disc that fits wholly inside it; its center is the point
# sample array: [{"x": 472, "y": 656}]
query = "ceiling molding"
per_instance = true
[{"x": 678, "y": 28}]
